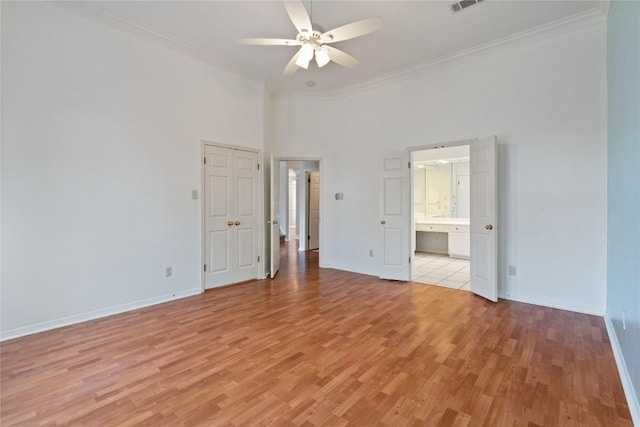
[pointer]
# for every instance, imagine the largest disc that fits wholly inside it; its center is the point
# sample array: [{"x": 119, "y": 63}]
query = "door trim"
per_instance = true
[{"x": 260, "y": 205}]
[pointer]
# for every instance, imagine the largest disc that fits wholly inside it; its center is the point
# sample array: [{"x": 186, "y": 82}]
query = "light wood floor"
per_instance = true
[{"x": 318, "y": 347}]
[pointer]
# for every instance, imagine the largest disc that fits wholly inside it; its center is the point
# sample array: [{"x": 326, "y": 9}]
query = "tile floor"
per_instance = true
[{"x": 440, "y": 270}]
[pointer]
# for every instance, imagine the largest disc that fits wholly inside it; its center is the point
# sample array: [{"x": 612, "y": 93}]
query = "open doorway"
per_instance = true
[
  {"x": 441, "y": 217},
  {"x": 300, "y": 208},
  {"x": 296, "y": 210}
]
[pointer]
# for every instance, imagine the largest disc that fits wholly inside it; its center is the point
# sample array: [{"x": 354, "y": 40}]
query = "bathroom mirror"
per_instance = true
[{"x": 441, "y": 188}]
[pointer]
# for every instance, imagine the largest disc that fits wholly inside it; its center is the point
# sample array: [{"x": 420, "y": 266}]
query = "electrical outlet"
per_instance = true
[
  {"x": 512, "y": 270},
  {"x": 624, "y": 320},
  {"x": 168, "y": 272},
  {"x": 371, "y": 252}
]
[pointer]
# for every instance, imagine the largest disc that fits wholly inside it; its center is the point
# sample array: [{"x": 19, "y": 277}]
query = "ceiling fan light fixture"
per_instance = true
[
  {"x": 322, "y": 58},
  {"x": 302, "y": 63},
  {"x": 306, "y": 54}
]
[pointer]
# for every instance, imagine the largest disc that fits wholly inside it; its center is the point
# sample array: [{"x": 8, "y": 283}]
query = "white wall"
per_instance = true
[
  {"x": 623, "y": 291},
  {"x": 544, "y": 99},
  {"x": 101, "y": 147}
]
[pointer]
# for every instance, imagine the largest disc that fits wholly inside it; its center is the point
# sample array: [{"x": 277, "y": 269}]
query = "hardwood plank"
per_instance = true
[{"x": 318, "y": 347}]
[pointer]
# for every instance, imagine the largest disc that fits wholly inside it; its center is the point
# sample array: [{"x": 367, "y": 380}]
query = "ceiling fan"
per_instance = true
[{"x": 314, "y": 41}]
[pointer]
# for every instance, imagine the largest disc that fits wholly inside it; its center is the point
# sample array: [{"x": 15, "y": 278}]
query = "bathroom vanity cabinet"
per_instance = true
[{"x": 455, "y": 229}]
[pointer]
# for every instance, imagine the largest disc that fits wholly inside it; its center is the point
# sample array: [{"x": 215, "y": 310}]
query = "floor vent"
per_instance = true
[{"x": 457, "y": 7}]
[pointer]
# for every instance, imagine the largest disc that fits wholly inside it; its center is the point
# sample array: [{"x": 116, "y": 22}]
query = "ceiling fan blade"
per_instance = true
[
  {"x": 340, "y": 57},
  {"x": 270, "y": 42},
  {"x": 298, "y": 15},
  {"x": 350, "y": 31},
  {"x": 291, "y": 66}
]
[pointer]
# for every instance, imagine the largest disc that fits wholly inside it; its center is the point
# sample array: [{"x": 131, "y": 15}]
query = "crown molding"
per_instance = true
[
  {"x": 555, "y": 28},
  {"x": 93, "y": 11},
  {"x": 603, "y": 7},
  {"x": 552, "y": 29}
]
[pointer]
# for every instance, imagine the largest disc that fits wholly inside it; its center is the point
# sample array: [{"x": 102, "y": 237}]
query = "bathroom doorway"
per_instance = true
[{"x": 441, "y": 217}]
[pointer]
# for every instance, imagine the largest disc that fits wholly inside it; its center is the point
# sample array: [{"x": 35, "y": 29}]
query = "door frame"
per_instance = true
[
  {"x": 454, "y": 143},
  {"x": 260, "y": 205},
  {"x": 323, "y": 186}
]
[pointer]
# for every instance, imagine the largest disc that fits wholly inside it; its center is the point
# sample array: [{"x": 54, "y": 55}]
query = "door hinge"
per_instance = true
[
  {"x": 258, "y": 166},
  {"x": 309, "y": 180},
  {"x": 205, "y": 267},
  {"x": 409, "y": 260},
  {"x": 409, "y": 165},
  {"x": 258, "y": 258},
  {"x": 205, "y": 160},
  {"x": 308, "y": 237}
]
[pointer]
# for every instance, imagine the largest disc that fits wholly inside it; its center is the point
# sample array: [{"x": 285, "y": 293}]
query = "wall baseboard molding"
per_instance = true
[
  {"x": 349, "y": 268},
  {"x": 625, "y": 378},
  {"x": 83, "y": 317},
  {"x": 594, "y": 311}
]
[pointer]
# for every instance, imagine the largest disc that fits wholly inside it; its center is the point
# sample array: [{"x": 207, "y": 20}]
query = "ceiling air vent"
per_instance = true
[{"x": 457, "y": 7}]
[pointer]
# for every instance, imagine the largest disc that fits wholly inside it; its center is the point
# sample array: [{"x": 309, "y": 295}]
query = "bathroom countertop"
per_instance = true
[{"x": 441, "y": 220}]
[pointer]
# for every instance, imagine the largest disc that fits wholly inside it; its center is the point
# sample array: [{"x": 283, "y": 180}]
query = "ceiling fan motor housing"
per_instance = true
[{"x": 313, "y": 36}]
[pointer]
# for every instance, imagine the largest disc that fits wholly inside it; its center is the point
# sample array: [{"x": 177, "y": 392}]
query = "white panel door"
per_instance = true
[
  {"x": 484, "y": 230},
  {"x": 275, "y": 216},
  {"x": 395, "y": 216},
  {"x": 314, "y": 210},
  {"x": 219, "y": 230},
  {"x": 246, "y": 219},
  {"x": 231, "y": 216}
]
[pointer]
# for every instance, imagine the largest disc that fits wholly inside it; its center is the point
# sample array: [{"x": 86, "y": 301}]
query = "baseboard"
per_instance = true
[
  {"x": 594, "y": 311},
  {"x": 625, "y": 378},
  {"x": 350, "y": 269},
  {"x": 83, "y": 317}
]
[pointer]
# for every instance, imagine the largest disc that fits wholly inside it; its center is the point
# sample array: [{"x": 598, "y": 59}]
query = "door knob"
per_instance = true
[
  {"x": 237, "y": 222},
  {"x": 230, "y": 223},
  {"x": 275, "y": 221},
  {"x": 383, "y": 222},
  {"x": 489, "y": 227}
]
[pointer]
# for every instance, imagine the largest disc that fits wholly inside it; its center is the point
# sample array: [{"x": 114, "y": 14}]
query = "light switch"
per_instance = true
[{"x": 194, "y": 194}]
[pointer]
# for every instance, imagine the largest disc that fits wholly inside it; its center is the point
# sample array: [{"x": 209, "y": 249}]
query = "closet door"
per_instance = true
[
  {"x": 230, "y": 223},
  {"x": 245, "y": 190}
]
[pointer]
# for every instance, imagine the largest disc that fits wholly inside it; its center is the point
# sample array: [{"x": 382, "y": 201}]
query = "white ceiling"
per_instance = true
[{"x": 415, "y": 33}]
